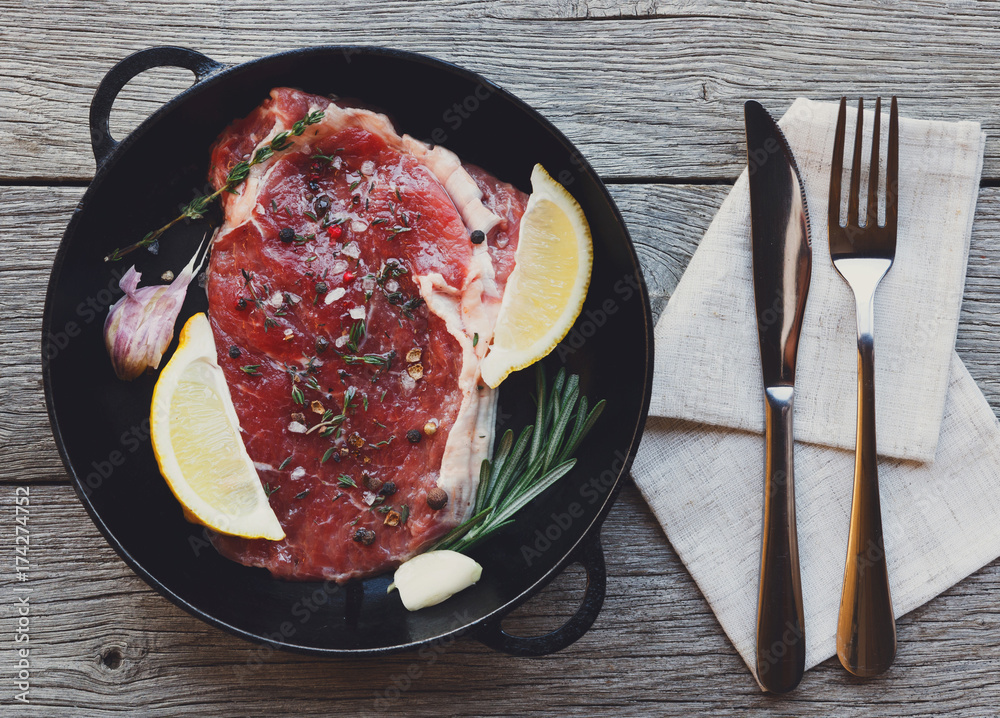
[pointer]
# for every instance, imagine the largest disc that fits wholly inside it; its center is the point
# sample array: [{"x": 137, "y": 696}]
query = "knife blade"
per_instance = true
[{"x": 782, "y": 264}]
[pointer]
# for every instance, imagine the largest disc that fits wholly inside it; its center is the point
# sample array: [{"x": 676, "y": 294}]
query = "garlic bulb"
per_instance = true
[
  {"x": 140, "y": 325},
  {"x": 429, "y": 578}
]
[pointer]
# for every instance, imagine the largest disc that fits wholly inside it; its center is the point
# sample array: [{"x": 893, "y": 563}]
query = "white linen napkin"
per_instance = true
[
  {"x": 700, "y": 464},
  {"x": 710, "y": 322}
]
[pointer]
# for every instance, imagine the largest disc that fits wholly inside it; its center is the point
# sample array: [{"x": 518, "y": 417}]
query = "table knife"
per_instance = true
[{"x": 782, "y": 263}]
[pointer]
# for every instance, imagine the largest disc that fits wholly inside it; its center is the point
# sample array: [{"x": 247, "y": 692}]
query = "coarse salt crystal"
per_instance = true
[
  {"x": 339, "y": 266},
  {"x": 341, "y": 341},
  {"x": 334, "y": 295},
  {"x": 369, "y": 497},
  {"x": 392, "y": 285},
  {"x": 407, "y": 381},
  {"x": 367, "y": 168},
  {"x": 337, "y": 162},
  {"x": 357, "y": 226},
  {"x": 296, "y": 427},
  {"x": 351, "y": 249},
  {"x": 358, "y": 313},
  {"x": 276, "y": 299},
  {"x": 368, "y": 282},
  {"x": 298, "y": 472}
]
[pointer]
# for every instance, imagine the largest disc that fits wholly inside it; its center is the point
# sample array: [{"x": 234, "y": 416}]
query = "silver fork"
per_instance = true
[{"x": 866, "y": 629}]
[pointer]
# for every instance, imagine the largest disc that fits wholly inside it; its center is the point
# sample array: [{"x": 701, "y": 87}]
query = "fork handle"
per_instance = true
[
  {"x": 866, "y": 629},
  {"x": 781, "y": 638}
]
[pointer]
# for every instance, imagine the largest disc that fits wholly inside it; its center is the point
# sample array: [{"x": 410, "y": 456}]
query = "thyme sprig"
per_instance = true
[
  {"x": 521, "y": 470},
  {"x": 196, "y": 208}
]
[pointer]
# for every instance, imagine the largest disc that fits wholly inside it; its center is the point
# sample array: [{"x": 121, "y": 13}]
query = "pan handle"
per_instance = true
[
  {"x": 591, "y": 557},
  {"x": 118, "y": 76}
]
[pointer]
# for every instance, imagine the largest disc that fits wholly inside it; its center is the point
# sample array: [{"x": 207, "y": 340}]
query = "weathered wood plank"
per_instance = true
[
  {"x": 105, "y": 644},
  {"x": 656, "y": 94},
  {"x": 666, "y": 222}
]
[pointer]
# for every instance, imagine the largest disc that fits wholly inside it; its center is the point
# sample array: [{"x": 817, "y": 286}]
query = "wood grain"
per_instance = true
[
  {"x": 666, "y": 223},
  {"x": 651, "y": 92},
  {"x": 107, "y": 645},
  {"x": 647, "y": 88},
  {"x": 110, "y": 645}
]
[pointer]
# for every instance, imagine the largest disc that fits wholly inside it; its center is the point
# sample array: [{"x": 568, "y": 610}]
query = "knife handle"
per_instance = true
[{"x": 781, "y": 638}]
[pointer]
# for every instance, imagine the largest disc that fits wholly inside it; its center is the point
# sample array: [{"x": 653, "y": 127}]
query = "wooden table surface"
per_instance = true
[{"x": 651, "y": 91}]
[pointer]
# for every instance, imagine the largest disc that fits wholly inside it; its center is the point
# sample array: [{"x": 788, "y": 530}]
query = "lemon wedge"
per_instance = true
[
  {"x": 545, "y": 292},
  {"x": 196, "y": 440}
]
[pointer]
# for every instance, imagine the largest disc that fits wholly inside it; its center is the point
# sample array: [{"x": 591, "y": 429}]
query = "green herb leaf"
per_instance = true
[
  {"x": 284, "y": 463},
  {"x": 346, "y": 480},
  {"x": 236, "y": 176},
  {"x": 251, "y": 369},
  {"x": 520, "y": 471}
]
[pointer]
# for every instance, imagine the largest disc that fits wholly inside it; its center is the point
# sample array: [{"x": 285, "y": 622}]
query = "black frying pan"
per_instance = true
[{"x": 100, "y": 423}]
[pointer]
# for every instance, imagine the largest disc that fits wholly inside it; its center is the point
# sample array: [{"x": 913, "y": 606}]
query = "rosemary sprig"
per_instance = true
[
  {"x": 521, "y": 470},
  {"x": 381, "y": 360},
  {"x": 196, "y": 208}
]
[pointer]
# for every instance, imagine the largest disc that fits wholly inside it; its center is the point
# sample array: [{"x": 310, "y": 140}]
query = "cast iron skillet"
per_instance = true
[{"x": 101, "y": 424}]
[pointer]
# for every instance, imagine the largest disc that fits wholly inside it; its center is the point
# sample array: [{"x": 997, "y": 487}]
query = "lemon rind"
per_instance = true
[
  {"x": 544, "y": 187},
  {"x": 197, "y": 344}
]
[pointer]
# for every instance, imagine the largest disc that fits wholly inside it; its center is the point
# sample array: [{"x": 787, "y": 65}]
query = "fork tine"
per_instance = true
[
  {"x": 837, "y": 165},
  {"x": 892, "y": 171},
  {"x": 871, "y": 214},
  {"x": 855, "y": 197}
]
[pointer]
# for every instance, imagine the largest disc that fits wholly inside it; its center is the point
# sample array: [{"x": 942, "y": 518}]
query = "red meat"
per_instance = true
[{"x": 341, "y": 260}]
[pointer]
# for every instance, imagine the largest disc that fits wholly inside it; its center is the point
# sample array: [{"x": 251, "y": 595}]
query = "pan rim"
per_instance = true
[{"x": 224, "y": 73}]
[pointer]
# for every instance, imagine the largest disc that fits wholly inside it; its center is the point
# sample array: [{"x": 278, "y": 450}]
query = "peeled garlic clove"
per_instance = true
[
  {"x": 140, "y": 325},
  {"x": 430, "y": 578}
]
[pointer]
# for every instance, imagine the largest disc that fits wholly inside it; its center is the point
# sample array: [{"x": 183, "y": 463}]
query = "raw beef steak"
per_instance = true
[{"x": 351, "y": 310}]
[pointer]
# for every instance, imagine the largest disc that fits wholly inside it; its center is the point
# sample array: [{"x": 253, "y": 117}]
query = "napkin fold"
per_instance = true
[
  {"x": 710, "y": 322},
  {"x": 700, "y": 464}
]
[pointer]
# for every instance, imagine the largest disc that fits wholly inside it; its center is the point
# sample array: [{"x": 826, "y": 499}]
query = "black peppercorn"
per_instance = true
[
  {"x": 321, "y": 205},
  {"x": 364, "y": 536},
  {"x": 321, "y": 345},
  {"x": 413, "y": 436},
  {"x": 313, "y": 186},
  {"x": 478, "y": 236},
  {"x": 321, "y": 287},
  {"x": 437, "y": 498},
  {"x": 356, "y": 199},
  {"x": 241, "y": 303},
  {"x": 286, "y": 235},
  {"x": 388, "y": 489},
  {"x": 234, "y": 351}
]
